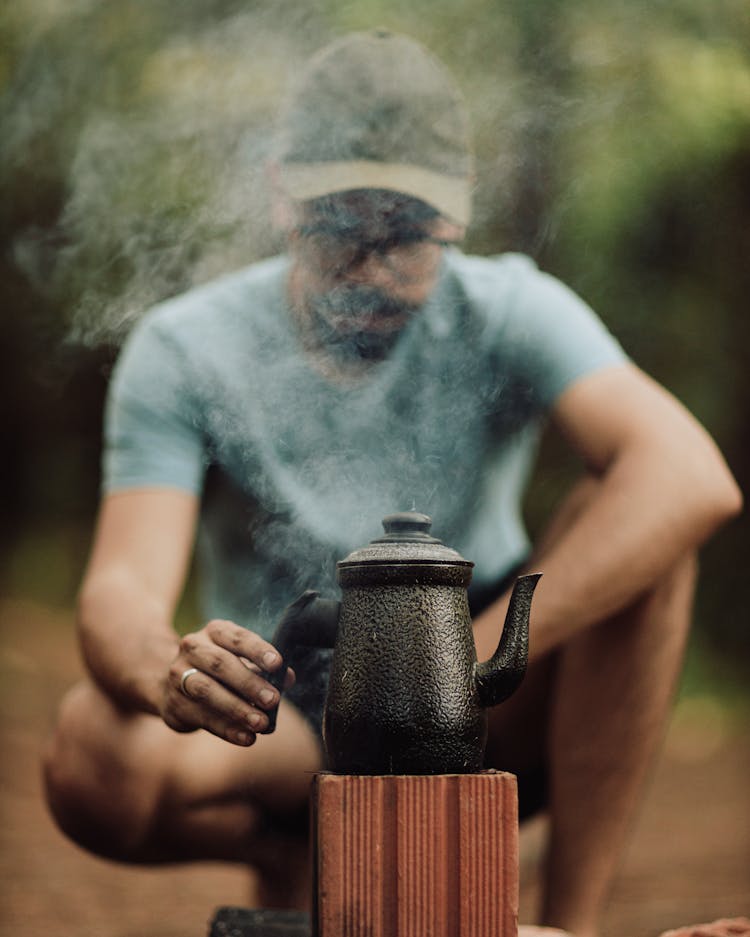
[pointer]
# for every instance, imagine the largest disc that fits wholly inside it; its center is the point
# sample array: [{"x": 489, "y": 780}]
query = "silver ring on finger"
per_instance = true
[{"x": 183, "y": 680}]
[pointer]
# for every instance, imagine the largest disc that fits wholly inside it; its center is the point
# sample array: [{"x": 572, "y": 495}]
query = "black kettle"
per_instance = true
[{"x": 406, "y": 694}]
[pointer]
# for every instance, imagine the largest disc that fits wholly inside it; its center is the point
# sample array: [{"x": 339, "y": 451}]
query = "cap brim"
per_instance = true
[{"x": 449, "y": 195}]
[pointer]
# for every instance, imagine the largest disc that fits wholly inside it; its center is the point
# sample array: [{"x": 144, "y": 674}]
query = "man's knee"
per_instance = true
[
  {"x": 673, "y": 590},
  {"x": 63, "y": 765},
  {"x": 90, "y": 796}
]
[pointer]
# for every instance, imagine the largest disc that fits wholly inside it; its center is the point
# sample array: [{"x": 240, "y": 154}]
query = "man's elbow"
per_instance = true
[
  {"x": 723, "y": 498},
  {"x": 93, "y": 592},
  {"x": 733, "y": 500},
  {"x": 89, "y": 602}
]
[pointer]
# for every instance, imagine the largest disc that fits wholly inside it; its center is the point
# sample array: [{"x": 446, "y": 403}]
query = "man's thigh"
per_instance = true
[{"x": 117, "y": 774}]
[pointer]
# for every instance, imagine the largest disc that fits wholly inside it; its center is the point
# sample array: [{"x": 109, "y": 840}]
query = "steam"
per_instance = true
[
  {"x": 153, "y": 234},
  {"x": 166, "y": 180},
  {"x": 164, "y": 140},
  {"x": 163, "y": 146}
]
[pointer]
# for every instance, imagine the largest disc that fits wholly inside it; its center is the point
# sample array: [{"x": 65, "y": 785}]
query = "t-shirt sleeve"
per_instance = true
[
  {"x": 553, "y": 336},
  {"x": 151, "y": 437}
]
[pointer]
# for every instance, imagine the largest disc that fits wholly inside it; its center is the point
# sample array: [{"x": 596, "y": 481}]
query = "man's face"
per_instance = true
[{"x": 364, "y": 263}]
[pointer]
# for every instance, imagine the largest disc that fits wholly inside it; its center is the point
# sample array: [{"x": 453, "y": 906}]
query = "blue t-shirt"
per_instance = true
[{"x": 213, "y": 394}]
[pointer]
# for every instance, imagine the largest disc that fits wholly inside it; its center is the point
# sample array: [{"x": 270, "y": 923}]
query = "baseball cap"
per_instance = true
[{"x": 376, "y": 110}]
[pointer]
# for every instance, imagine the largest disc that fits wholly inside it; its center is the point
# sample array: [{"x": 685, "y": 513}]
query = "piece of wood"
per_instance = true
[{"x": 408, "y": 856}]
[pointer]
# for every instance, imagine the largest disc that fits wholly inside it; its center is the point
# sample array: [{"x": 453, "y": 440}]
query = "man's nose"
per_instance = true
[{"x": 371, "y": 267}]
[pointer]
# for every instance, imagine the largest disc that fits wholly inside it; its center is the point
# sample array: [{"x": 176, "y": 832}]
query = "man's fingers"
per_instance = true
[
  {"x": 244, "y": 643},
  {"x": 219, "y": 681},
  {"x": 238, "y": 658},
  {"x": 227, "y": 669},
  {"x": 290, "y": 677},
  {"x": 206, "y": 703},
  {"x": 230, "y": 732}
]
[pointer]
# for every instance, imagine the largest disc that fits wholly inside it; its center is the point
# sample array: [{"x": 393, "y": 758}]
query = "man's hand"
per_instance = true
[
  {"x": 724, "y": 927},
  {"x": 125, "y": 614},
  {"x": 224, "y": 691}
]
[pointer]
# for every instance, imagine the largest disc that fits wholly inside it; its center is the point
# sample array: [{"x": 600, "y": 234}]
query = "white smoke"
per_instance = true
[{"x": 165, "y": 177}]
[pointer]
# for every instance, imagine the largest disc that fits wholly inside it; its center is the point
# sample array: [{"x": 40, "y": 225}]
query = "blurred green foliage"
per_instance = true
[{"x": 613, "y": 144}]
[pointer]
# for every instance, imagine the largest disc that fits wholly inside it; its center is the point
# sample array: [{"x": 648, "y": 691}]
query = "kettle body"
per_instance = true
[
  {"x": 402, "y": 697},
  {"x": 406, "y": 694}
]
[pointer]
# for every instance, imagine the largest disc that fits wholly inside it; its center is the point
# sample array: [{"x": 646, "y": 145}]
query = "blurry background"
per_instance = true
[{"x": 613, "y": 145}]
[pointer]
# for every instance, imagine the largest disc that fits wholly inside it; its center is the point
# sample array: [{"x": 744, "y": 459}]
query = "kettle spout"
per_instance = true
[{"x": 499, "y": 677}]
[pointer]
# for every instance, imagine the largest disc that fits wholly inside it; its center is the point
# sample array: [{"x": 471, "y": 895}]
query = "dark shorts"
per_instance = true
[{"x": 313, "y": 666}]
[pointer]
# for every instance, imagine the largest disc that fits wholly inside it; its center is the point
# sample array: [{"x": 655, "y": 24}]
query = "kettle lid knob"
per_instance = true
[
  {"x": 410, "y": 526},
  {"x": 407, "y": 540}
]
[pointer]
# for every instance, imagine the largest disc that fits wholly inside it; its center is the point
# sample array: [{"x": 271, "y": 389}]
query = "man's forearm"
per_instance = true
[
  {"x": 127, "y": 640},
  {"x": 640, "y": 520}
]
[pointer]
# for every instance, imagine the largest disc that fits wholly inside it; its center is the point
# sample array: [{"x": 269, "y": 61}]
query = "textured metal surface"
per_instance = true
[
  {"x": 406, "y": 695},
  {"x": 402, "y": 697},
  {"x": 305, "y": 637},
  {"x": 501, "y": 675}
]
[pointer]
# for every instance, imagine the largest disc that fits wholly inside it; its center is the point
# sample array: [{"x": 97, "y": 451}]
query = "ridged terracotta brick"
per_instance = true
[{"x": 416, "y": 856}]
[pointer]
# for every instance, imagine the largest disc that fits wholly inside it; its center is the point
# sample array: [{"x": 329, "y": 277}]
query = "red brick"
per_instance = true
[{"x": 411, "y": 856}]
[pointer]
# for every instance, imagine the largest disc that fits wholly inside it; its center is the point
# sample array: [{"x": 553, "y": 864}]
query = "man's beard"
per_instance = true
[{"x": 352, "y": 322}]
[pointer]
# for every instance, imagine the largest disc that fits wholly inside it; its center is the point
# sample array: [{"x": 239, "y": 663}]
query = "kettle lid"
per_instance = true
[{"x": 407, "y": 539}]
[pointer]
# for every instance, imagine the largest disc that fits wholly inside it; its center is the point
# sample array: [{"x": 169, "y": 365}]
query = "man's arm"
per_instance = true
[
  {"x": 663, "y": 489},
  {"x": 136, "y": 573}
]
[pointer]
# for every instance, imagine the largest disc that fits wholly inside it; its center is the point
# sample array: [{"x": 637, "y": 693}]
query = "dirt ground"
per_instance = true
[{"x": 689, "y": 859}]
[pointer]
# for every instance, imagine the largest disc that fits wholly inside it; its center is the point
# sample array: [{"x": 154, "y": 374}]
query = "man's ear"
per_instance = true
[
  {"x": 446, "y": 230},
  {"x": 284, "y": 214}
]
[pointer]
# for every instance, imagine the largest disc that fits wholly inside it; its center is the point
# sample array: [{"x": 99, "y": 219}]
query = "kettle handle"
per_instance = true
[{"x": 309, "y": 621}]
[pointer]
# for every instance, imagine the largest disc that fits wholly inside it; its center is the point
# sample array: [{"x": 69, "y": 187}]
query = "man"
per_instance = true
[{"x": 291, "y": 405}]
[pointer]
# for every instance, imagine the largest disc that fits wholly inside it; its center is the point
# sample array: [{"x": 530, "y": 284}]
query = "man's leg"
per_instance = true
[
  {"x": 595, "y": 711},
  {"x": 127, "y": 787},
  {"x": 610, "y": 705}
]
